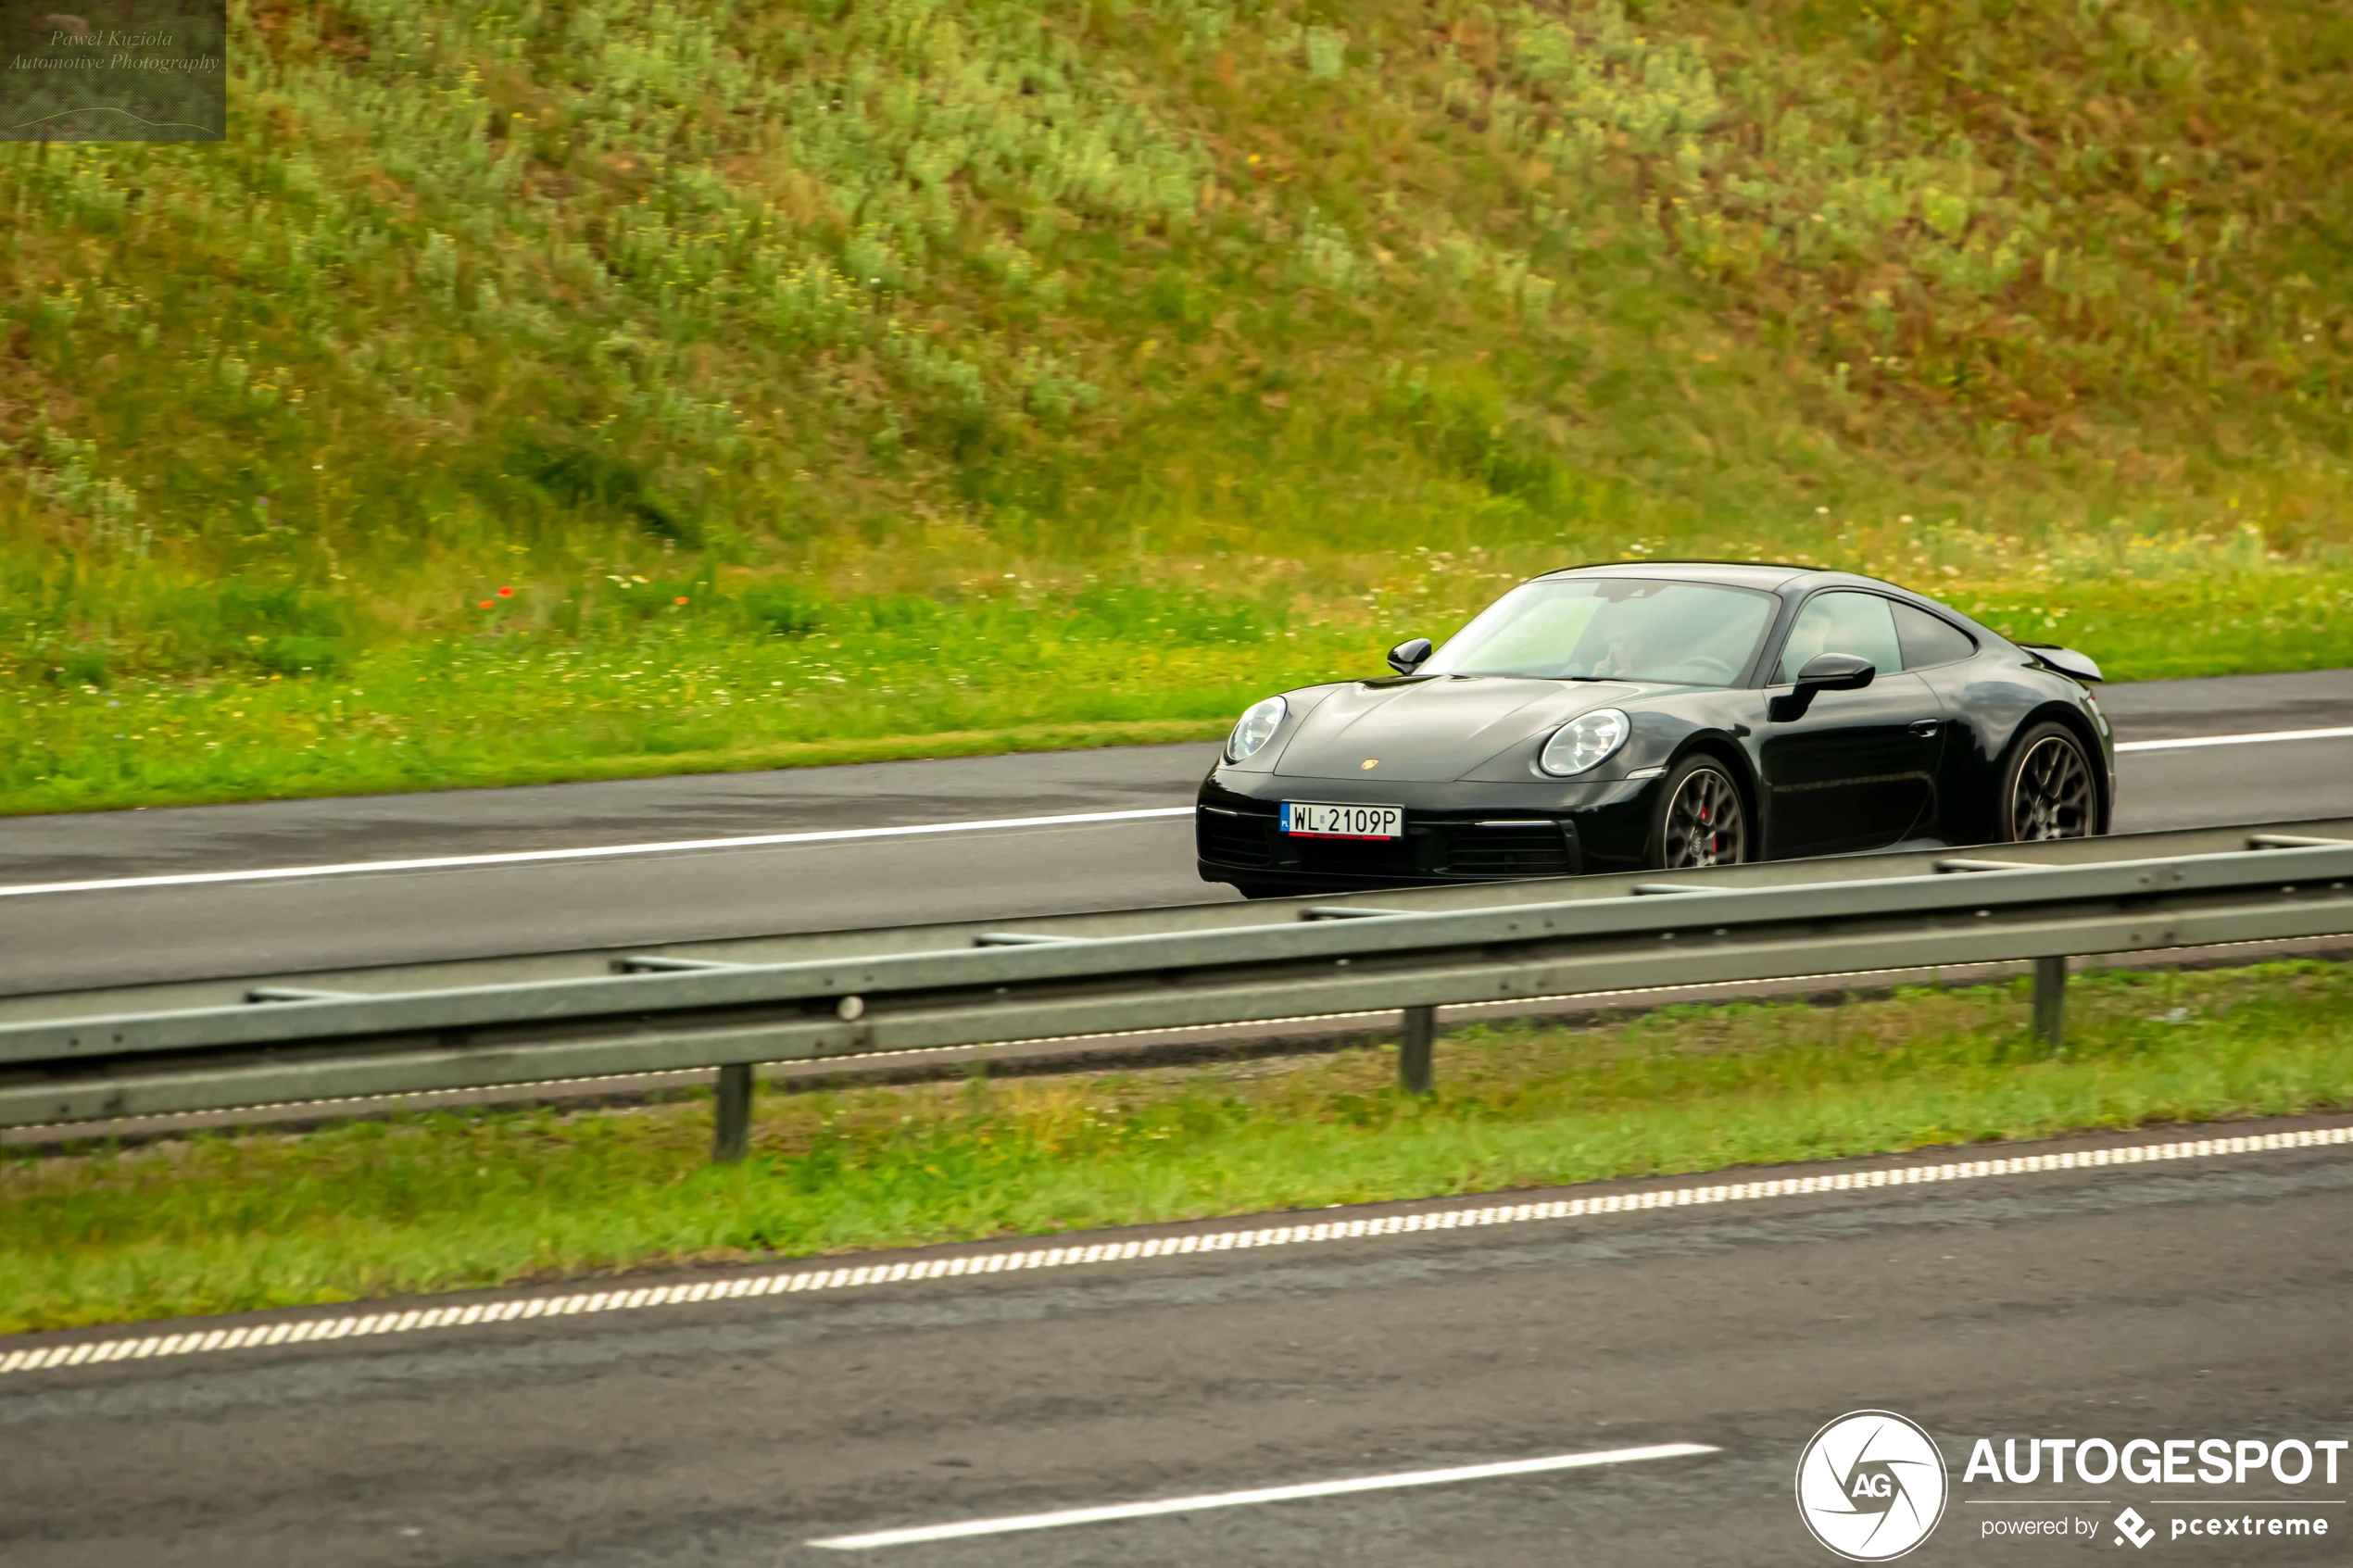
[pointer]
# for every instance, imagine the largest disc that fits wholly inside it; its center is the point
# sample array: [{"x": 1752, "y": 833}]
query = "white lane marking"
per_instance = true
[
  {"x": 593, "y": 852},
  {"x": 795, "y": 1281},
  {"x": 1262, "y": 1494},
  {"x": 834, "y": 836},
  {"x": 2186, "y": 742}
]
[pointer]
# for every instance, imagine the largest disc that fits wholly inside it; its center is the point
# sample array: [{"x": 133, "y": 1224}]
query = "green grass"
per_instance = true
[
  {"x": 902, "y": 676},
  {"x": 447, "y": 1203},
  {"x": 1334, "y": 319},
  {"x": 676, "y": 692}
]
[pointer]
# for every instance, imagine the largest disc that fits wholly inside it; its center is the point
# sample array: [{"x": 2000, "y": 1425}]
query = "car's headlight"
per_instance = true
[
  {"x": 1257, "y": 727},
  {"x": 1584, "y": 741}
]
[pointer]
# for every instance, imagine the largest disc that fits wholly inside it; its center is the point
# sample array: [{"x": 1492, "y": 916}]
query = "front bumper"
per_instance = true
[{"x": 1454, "y": 831}]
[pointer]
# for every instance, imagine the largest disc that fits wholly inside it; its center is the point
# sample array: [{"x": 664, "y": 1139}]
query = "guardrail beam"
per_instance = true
[
  {"x": 725, "y": 1016},
  {"x": 655, "y": 963},
  {"x": 296, "y": 994}
]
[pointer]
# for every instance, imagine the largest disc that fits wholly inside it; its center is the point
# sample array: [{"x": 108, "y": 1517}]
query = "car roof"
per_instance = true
[
  {"x": 1774, "y": 577},
  {"x": 1733, "y": 573}
]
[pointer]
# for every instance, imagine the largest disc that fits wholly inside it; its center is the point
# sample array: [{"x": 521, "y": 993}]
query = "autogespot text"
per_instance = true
[{"x": 2147, "y": 1462}]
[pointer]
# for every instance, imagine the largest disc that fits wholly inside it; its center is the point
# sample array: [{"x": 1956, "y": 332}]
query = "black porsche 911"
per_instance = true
[{"x": 1662, "y": 714}]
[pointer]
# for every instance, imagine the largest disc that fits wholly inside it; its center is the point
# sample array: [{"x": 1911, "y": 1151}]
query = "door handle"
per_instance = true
[{"x": 1924, "y": 728}]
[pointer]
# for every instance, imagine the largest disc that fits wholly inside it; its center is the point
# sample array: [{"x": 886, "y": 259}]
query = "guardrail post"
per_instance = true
[
  {"x": 731, "y": 1124},
  {"x": 1413, "y": 1051},
  {"x": 2050, "y": 999}
]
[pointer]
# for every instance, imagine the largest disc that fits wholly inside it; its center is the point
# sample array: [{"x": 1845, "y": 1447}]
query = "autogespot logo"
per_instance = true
[{"x": 1870, "y": 1485}]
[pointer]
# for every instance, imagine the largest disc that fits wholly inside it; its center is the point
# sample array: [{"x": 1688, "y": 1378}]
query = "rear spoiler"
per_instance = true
[{"x": 2066, "y": 661}]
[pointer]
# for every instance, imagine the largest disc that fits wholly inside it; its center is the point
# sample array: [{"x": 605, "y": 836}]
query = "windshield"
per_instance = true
[{"x": 1627, "y": 628}]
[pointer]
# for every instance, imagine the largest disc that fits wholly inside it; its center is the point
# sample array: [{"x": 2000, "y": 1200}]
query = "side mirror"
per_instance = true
[
  {"x": 1823, "y": 673},
  {"x": 1836, "y": 673},
  {"x": 1407, "y": 655}
]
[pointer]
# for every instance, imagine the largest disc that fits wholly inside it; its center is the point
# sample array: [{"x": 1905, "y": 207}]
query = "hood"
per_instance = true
[{"x": 1435, "y": 730}]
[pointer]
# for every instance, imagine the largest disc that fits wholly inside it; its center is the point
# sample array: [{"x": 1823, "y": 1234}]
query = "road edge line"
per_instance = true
[{"x": 804, "y": 1280}]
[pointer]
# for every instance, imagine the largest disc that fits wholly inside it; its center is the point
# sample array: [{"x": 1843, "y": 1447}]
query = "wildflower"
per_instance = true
[
  {"x": 506, "y": 593},
  {"x": 679, "y": 599},
  {"x": 486, "y": 603}
]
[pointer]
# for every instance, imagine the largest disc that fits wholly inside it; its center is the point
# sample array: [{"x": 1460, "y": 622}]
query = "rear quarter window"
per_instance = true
[{"x": 1929, "y": 639}]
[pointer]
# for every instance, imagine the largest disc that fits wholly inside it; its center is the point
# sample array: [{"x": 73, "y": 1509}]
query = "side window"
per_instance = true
[
  {"x": 1929, "y": 639},
  {"x": 1843, "y": 623}
]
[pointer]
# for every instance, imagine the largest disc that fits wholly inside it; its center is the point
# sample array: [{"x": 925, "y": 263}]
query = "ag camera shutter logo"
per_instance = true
[{"x": 1870, "y": 1485}]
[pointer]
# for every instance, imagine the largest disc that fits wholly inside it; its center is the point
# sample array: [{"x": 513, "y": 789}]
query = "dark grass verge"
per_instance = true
[{"x": 218, "y": 1224}]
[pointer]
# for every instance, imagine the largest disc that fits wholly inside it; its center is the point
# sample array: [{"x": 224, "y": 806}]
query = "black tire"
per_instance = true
[
  {"x": 2047, "y": 788},
  {"x": 1700, "y": 818}
]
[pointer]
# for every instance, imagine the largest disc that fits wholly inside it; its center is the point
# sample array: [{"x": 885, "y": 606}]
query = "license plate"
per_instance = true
[{"x": 1304, "y": 818}]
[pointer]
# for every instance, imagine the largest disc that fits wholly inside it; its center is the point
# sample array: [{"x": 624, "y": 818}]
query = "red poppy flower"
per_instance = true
[
  {"x": 679, "y": 599},
  {"x": 486, "y": 603},
  {"x": 506, "y": 593}
]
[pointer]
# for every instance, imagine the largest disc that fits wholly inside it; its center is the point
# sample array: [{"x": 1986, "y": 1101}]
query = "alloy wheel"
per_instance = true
[
  {"x": 1704, "y": 826},
  {"x": 2053, "y": 796}
]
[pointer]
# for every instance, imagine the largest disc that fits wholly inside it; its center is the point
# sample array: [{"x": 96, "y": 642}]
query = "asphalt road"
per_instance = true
[
  {"x": 135, "y": 935},
  {"x": 2197, "y": 1300}
]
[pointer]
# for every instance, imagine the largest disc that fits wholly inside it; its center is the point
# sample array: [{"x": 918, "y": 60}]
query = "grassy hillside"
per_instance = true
[{"x": 541, "y": 390}]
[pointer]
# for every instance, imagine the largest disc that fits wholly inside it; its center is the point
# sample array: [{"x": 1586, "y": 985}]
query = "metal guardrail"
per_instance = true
[
  {"x": 26, "y": 996},
  {"x": 1526, "y": 940}
]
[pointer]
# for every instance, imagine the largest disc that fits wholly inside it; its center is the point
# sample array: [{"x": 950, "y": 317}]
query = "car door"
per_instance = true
[
  {"x": 1947, "y": 658},
  {"x": 1855, "y": 770}
]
